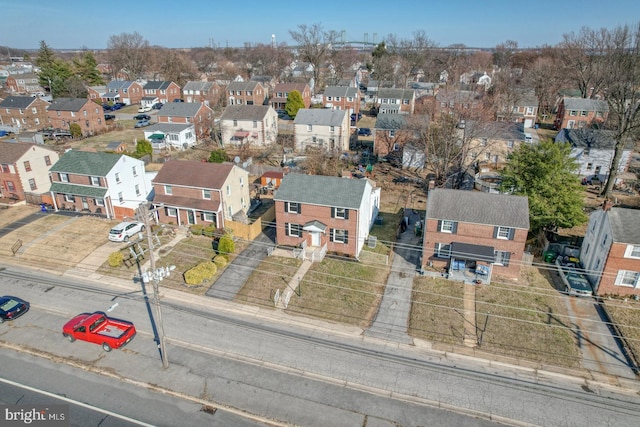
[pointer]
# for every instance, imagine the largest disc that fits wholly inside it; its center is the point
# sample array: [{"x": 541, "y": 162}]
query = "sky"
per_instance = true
[{"x": 73, "y": 24}]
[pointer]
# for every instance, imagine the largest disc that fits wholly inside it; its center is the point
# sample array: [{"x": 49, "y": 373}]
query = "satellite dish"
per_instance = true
[{"x": 236, "y": 160}]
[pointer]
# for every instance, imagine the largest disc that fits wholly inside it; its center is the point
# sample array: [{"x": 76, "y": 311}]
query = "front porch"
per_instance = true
[{"x": 471, "y": 263}]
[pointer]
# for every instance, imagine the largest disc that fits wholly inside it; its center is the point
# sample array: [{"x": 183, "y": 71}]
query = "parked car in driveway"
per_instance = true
[
  {"x": 116, "y": 107},
  {"x": 575, "y": 281},
  {"x": 109, "y": 116},
  {"x": 364, "y": 132},
  {"x": 157, "y": 106},
  {"x": 12, "y": 307},
  {"x": 356, "y": 117},
  {"x": 144, "y": 109},
  {"x": 123, "y": 231},
  {"x": 142, "y": 123},
  {"x": 142, "y": 117}
]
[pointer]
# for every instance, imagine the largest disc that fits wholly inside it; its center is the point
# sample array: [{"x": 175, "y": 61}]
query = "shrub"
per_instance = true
[
  {"x": 116, "y": 259},
  {"x": 200, "y": 273},
  {"x": 220, "y": 260},
  {"x": 226, "y": 245},
  {"x": 196, "y": 229},
  {"x": 209, "y": 230}
]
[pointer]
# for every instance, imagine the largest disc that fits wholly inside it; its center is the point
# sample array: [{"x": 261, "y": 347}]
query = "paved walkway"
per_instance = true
[{"x": 393, "y": 313}]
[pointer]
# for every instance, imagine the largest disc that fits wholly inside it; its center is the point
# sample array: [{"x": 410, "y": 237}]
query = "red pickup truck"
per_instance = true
[{"x": 99, "y": 329}]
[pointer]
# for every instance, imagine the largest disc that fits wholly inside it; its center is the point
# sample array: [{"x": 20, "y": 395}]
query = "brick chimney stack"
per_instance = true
[{"x": 607, "y": 204}]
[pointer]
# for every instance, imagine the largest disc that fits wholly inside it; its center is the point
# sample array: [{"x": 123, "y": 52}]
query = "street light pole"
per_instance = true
[{"x": 155, "y": 274}]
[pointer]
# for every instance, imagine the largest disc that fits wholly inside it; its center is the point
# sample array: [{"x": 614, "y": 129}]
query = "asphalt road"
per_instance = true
[{"x": 305, "y": 374}]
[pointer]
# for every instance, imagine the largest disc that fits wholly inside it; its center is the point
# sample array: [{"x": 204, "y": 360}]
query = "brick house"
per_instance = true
[
  {"x": 342, "y": 98},
  {"x": 164, "y": 91},
  {"x": 580, "y": 113},
  {"x": 489, "y": 144},
  {"x": 390, "y": 100},
  {"x": 207, "y": 93},
  {"x": 523, "y": 109},
  {"x": 195, "y": 113},
  {"x": 24, "y": 112},
  {"x": 24, "y": 168},
  {"x": 390, "y": 133},
  {"x": 81, "y": 111},
  {"x": 246, "y": 93},
  {"x": 325, "y": 129},
  {"x": 282, "y": 90},
  {"x": 107, "y": 184},
  {"x": 249, "y": 124},
  {"x": 125, "y": 91},
  {"x": 610, "y": 252},
  {"x": 194, "y": 192},
  {"x": 474, "y": 235},
  {"x": 325, "y": 213},
  {"x": 23, "y": 83}
]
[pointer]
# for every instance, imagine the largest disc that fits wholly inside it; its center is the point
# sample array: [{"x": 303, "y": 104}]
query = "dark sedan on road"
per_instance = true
[
  {"x": 364, "y": 132},
  {"x": 12, "y": 308},
  {"x": 142, "y": 117}
]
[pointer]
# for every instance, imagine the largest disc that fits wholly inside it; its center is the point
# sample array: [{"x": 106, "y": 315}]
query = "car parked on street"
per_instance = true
[
  {"x": 97, "y": 328},
  {"x": 12, "y": 307},
  {"x": 142, "y": 117},
  {"x": 109, "y": 116},
  {"x": 125, "y": 230},
  {"x": 142, "y": 123}
]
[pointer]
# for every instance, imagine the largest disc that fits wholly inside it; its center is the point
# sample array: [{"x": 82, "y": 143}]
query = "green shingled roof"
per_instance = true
[
  {"x": 86, "y": 163},
  {"x": 78, "y": 190}
]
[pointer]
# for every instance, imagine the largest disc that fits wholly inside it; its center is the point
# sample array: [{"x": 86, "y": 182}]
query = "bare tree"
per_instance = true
[
  {"x": 582, "y": 63},
  {"x": 314, "y": 44},
  {"x": 621, "y": 54},
  {"x": 128, "y": 53},
  {"x": 414, "y": 56}
]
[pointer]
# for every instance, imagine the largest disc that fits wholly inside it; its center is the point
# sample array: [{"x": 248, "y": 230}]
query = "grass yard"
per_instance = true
[
  {"x": 626, "y": 315},
  {"x": 273, "y": 273},
  {"x": 512, "y": 320},
  {"x": 341, "y": 291}
]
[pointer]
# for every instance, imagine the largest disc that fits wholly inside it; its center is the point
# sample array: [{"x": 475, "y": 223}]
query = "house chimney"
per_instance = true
[{"x": 606, "y": 205}]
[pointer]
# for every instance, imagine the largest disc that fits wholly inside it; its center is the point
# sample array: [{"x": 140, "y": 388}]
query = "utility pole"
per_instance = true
[{"x": 155, "y": 275}]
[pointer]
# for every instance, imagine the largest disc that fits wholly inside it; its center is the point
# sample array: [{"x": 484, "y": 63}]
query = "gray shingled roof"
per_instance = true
[
  {"x": 396, "y": 93},
  {"x": 180, "y": 109},
  {"x": 343, "y": 91},
  {"x": 321, "y": 190},
  {"x": 116, "y": 85},
  {"x": 250, "y": 85},
  {"x": 245, "y": 112},
  {"x": 197, "y": 85},
  {"x": 584, "y": 104},
  {"x": 67, "y": 104},
  {"x": 319, "y": 116},
  {"x": 624, "y": 225},
  {"x": 86, "y": 163},
  {"x": 168, "y": 127},
  {"x": 476, "y": 207},
  {"x": 20, "y": 102},
  {"x": 390, "y": 121},
  {"x": 590, "y": 138},
  {"x": 156, "y": 84}
]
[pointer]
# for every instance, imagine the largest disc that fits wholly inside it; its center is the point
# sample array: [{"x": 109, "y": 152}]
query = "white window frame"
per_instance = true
[
  {"x": 121, "y": 197},
  {"x": 627, "y": 278},
  {"x": 446, "y": 226},
  {"x": 173, "y": 212},
  {"x": 168, "y": 190},
  {"x": 632, "y": 251},
  {"x": 503, "y": 233},
  {"x": 289, "y": 205},
  {"x": 208, "y": 216},
  {"x": 499, "y": 256},
  {"x": 206, "y": 194},
  {"x": 294, "y": 230},
  {"x": 64, "y": 177},
  {"x": 69, "y": 198},
  {"x": 95, "y": 181},
  {"x": 98, "y": 202},
  {"x": 118, "y": 178},
  {"x": 339, "y": 235}
]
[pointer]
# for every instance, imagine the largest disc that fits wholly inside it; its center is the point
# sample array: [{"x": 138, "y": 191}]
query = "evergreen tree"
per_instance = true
[
  {"x": 86, "y": 67},
  {"x": 546, "y": 174},
  {"x": 218, "y": 156},
  {"x": 294, "y": 103}
]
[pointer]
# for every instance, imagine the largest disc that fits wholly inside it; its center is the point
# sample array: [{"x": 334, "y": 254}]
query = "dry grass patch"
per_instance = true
[
  {"x": 528, "y": 322},
  {"x": 437, "y": 310},
  {"x": 524, "y": 321},
  {"x": 273, "y": 273},
  {"x": 625, "y": 314},
  {"x": 340, "y": 290},
  {"x": 16, "y": 213}
]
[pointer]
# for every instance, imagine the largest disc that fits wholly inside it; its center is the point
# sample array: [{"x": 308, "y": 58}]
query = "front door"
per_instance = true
[
  {"x": 315, "y": 239},
  {"x": 191, "y": 218}
]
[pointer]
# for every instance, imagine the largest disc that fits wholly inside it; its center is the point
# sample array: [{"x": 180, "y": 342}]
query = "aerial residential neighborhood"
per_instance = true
[{"x": 383, "y": 192}]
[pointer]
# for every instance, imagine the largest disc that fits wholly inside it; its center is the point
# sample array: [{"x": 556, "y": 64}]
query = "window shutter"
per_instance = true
[
  {"x": 333, "y": 212},
  {"x": 331, "y": 234},
  {"x": 286, "y": 228},
  {"x": 505, "y": 258},
  {"x": 439, "y": 225},
  {"x": 346, "y": 237},
  {"x": 455, "y": 227},
  {"x": 346, "y": 214},
  {"x": 495, "y": 232},
  {"x": 286, "y": 206},
  {"x": 512, "y": 232},
  {"x": 299, "y": 208}
]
